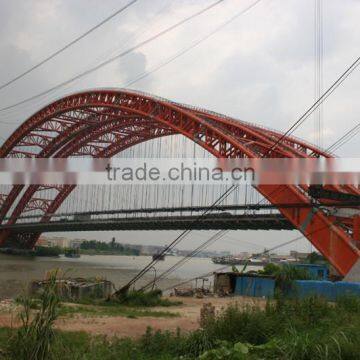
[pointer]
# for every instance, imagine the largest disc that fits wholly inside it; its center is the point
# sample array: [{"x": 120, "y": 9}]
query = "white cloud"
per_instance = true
[{"x": 260, "y": 68}]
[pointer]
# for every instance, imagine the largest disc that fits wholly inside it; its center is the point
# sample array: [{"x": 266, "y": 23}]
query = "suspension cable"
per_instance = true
[
  {"x": 340, "y": 142},
  {"x": 293, "y": 127}
]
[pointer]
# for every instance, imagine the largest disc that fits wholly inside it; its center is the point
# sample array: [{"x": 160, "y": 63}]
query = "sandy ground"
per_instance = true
[{"x": 126, "y": 327}]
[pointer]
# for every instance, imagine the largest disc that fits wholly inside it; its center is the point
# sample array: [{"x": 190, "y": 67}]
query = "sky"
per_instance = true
[{"x": 259, "y": 68}]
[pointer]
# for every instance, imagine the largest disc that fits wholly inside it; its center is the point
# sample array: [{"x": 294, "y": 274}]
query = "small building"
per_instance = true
[
  {"x": 234, "y": 283},
  {"x": 76, "y": 288},
  {"x": 225, "y": 282},
  {"x": 255, "y": 286},
  {"x": 316, "y": 271}
]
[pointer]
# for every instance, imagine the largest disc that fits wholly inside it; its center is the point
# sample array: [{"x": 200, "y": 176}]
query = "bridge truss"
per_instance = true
[{"x": 103, "y": 123}]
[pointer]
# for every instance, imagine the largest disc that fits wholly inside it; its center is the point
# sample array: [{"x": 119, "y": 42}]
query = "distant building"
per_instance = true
[
  {"x": 301, "y": 256},
  {"x": 53, "y": 241},
  {"x": 42, "y": 241}
]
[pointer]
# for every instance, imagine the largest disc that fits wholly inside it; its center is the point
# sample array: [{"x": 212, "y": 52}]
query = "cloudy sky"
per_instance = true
[{"x": 259, "y": 68}]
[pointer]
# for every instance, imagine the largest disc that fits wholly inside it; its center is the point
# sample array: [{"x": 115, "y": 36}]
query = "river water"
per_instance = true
[{"x": 16, "y": 272}]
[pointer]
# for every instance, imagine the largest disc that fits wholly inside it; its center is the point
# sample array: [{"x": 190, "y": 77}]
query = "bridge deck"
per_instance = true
[{"x": 208, "y": 222}]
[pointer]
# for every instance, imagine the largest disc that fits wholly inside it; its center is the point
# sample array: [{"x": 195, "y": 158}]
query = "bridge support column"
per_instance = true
[{"x": 4, "y": 235}]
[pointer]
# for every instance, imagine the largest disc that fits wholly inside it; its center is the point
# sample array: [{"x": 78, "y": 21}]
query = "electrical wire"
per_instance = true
[
  {"x": 320, "y": 100},
  {"x": 184, "y": 51},
  {"x": 340, "y": 142},
  {"x": 193, "y": 45},
  {"x": 48, "y": 99},
  {"x": 67, "y": 46},
  {"x": 258, "y": 254},
  {"x": 345, "y": 138},
  {"x": 173, "y": 243},
  {"x": 293, "y": 127},
  {"x": 312, "y": 108},
  {"x": 189, "y": 256},
  {"x": 116, "y": 57},
  {"x": 285, "y": 133},
  {"x": 234, "y": 241},
  {"x": 336, "y": 145}
]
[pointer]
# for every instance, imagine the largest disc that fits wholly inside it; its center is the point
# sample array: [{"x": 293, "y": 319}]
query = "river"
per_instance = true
[{"x": 16, "y": 272}]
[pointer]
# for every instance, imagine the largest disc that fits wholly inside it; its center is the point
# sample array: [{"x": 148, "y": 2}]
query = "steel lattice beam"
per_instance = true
[{"x": 220, "y": 135}]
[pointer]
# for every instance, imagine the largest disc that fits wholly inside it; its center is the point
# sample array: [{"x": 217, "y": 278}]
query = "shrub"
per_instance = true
[
  {"x": 285, "y": 329},
  {"x": 33, "y": 339},
  {"x": 146, "y": 299},
  {"x": 270, "y": 269},
  {"x": 349, "y": 304}
]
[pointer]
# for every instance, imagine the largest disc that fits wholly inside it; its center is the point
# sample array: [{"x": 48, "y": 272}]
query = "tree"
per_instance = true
[{"x": 314, "y": 258}]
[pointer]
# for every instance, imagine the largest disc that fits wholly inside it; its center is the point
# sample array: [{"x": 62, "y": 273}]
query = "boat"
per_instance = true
[{"x": 231, "y": 260}]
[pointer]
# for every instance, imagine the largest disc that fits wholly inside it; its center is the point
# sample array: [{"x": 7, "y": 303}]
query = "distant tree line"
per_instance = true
[{"x": 112, "y": 247}]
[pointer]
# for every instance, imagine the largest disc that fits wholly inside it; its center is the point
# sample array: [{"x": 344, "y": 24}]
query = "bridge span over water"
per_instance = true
[
  {"x": 208, "y": 222},
  {"x": 103, "y": 123}
]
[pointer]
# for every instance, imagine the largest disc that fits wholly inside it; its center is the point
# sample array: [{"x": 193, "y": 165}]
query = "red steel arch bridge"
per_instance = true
[{"x": 103, "y": 123}]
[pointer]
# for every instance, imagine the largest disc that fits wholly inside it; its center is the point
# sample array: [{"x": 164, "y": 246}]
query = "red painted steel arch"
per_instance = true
[{"x": 79, "y": 123}]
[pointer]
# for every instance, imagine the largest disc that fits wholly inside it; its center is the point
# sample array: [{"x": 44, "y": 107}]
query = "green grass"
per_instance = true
[
  {"x": 144, "y": 299},
  {"x": 34, "y": 339},
  {"x": 285, "y": 329},
  {"x": 133, "y": 304},
  {"x": 100, "y": 308},
  {"x": 112, "y": 310}
]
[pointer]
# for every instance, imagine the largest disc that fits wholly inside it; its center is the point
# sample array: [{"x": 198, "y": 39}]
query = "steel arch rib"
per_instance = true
[
  {"x": 48, "y": 151},
  {"x": 113, "y": 149},
  {"x": 72, "y": 147},
  {"x": 221, "y": 136}
]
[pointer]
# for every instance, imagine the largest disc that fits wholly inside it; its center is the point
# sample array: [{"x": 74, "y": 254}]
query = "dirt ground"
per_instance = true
[{"x": 128, "y": 327}]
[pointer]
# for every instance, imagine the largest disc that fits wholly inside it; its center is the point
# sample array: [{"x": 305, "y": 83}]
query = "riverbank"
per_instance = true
[
  {"x": 228, "y": 328},
  {"x": 17, "y": 272},
  {"x": 129, "y": 321}
]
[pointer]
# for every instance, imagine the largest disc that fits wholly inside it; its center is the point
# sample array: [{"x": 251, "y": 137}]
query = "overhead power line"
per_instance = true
[
  {"x": 293, "y": 127},
  {"x": 218, "y": 235},
  {"x": 67, "y": 46},
  {"x": 318, "y": 68},
  {"x": 307, "y": 113},
  {"x": 345, "y": 138},
  {"x": 311, "y": 109},
  {"x": 116, "y": 57},
  {"x": 180, "y": 237},
  {"x": 51, "y": 96},
  {"x": 192, "y": 45},
  {"x": 185, "y": 50},
  {"x": 221, "y": 233},
  {"x": 258, "y": 254},
  {"x": 320, "y": 100}
]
